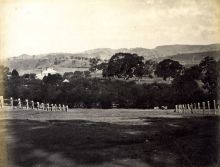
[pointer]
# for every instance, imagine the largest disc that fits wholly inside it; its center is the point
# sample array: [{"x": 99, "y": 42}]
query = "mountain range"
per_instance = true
[{"x": 185, "y": 54}]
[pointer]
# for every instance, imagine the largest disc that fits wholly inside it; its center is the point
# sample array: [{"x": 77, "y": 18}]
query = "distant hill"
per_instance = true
[
  {"x": 186, "y": 54},
  {"x": 168, "y": 50},
  {"x": 189, "y": 59}
]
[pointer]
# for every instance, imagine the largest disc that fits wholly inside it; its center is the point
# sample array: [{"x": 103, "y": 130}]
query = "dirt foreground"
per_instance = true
[{"x": 109, "y": 138}]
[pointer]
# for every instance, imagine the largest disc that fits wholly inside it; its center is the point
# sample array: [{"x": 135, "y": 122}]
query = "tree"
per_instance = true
[
  {"x": 139, "y": 70},
  {"x": 193, "y": 73},
  {"x": 14, "y": 73},
  {"x": 68, "y": 75},
  {"x": 53, "y": 79},
  {"x": 189, "y": 80},
  {"x": 149, "y": 68},
  {"x": 101, "y": 66},
  {"x": 168, "y": 68},
  {"x": 4, "y": 71},
  {"x": 93, "y": 63},
  {"x": 187, "y": 90},
  {"x": 87, "y": 74},
  {"x": 201, "y": 80},
  {"x": 210, "y": 74},
  {"x": 29, "y": 76},
  {"x": 78, "y": 74},
  {"x": 125, "y": 65}
]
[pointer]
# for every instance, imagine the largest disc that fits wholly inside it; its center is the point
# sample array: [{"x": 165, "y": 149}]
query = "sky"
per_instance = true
[{"x": 49, "y": 26}]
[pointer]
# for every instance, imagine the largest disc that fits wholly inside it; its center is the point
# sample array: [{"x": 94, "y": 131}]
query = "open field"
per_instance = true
[{"x": 119, "y": 138}]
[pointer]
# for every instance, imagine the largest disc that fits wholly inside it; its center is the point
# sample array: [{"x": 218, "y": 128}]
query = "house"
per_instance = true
[
  {"x": 66, "y": 81},
  {"x": 45, "y": 73}
]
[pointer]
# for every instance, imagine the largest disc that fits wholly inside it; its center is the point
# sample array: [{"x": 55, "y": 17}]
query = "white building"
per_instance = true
[
  {"x": 45, "y": 73},
  {"x": 66, "y": 81}
]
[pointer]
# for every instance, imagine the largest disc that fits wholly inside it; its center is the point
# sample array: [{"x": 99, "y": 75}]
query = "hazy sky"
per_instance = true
[{"x": 43, "y": 26}]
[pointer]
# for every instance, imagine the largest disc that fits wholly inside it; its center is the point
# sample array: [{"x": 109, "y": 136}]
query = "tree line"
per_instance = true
[
  {"x": 127, "y": 65},
  {"x": 190, "y": 84}
]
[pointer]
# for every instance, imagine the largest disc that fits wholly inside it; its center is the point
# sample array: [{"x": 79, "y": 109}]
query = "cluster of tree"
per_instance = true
[
  {"x": 87, "y": 93},
  {"x": 124, "y": 65},
  {"x": 193, "y": 84},
  {"x": 93, "y": 62},
  {"x": 199, "y": 82},
  {"x": 127, "y": 65}
]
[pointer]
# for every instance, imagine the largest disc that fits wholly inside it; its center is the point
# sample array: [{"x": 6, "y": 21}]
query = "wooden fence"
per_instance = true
[
  {"x": 30, "y": 104},
  {"x": 204, "y": 108}
]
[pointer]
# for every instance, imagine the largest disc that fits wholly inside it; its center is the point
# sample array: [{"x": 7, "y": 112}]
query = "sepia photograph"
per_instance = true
[{"x": 109, "y": 83}]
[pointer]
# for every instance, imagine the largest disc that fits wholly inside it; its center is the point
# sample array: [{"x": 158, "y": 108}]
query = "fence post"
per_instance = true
[
  {"x": 32, "y": 104},
  {"x": 208, "y": 107},
  {"x": 203, "y": 108},
  {"x": 184, "y": 109},
  {"x": 175, "y": 108},
  {"x": 11, "y": 101},
  {"x": 67, "y": 108},
  {"x": 42, "y": 105},
  {"x": 38, "y": 105},
  {"x": 27, "y": 107},
  {"x": 1, "y": 101},
  {"x": 214, "y": 103},
  {"x": 52, "y": 107},
  {"x": 191, "y": 107},
  {"x": 199, "y": 107},
  {"x": 19, "y": 103},
  {"x": 180, "y": 109}
]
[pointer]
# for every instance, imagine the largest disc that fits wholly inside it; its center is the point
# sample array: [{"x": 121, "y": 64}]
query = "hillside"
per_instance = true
[
  {"x": 191, "y": 58},
  {"x": 186, "y": 54},
  {"x": 169, "y": 50}
]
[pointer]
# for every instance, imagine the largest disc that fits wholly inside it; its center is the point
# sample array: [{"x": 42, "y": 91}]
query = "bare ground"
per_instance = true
[{"x": 121, "y": 138}]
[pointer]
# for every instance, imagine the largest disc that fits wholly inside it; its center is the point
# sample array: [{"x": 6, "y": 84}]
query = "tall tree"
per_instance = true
[
  {"x": 149, "y": 68},
  {"x": 68, "y": 75},
  {"x": 210, "y": 74},
  {"x": 53, "y": 79},
  {"x": 168, "y": 68},
  {"x": 125, "y": 65},
  {"x": 93, "y": 64},
  {"x": 14, "y": 73}
]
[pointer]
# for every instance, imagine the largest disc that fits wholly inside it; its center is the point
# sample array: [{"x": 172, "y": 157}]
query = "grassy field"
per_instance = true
[{"x": 119, "y": 138}]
